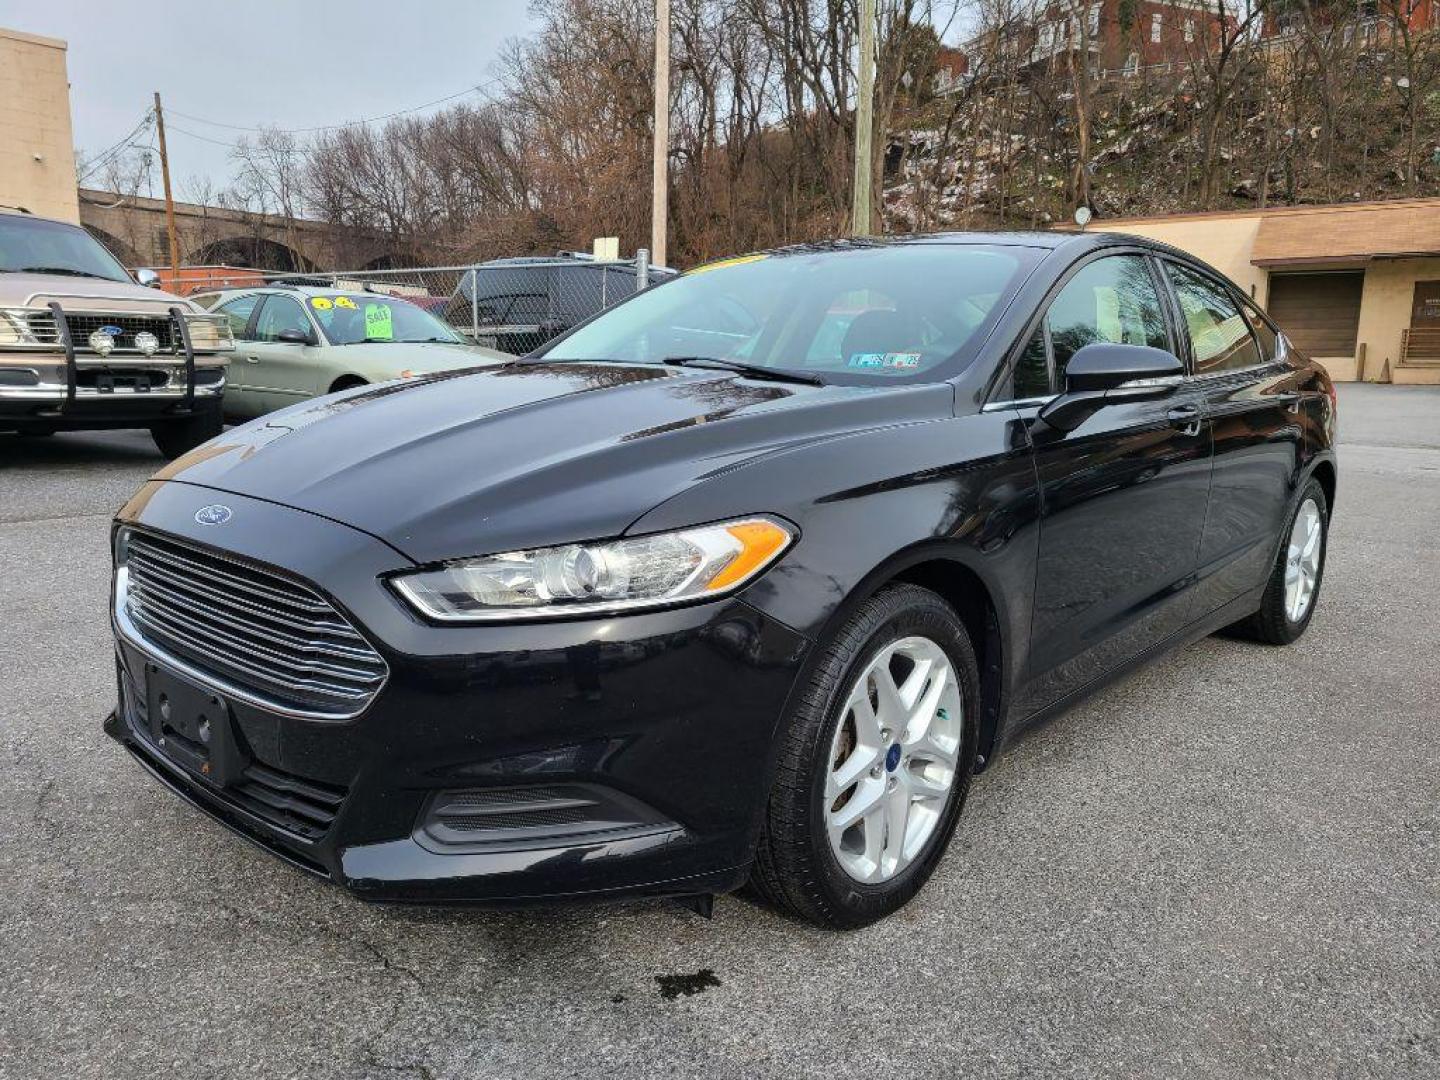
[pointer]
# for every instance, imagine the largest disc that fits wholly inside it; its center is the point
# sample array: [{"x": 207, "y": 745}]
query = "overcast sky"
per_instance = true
[{"x": 260, "y": 62}]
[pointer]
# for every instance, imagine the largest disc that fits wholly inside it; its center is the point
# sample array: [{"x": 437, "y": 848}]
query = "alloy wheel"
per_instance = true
[
  {"x": 893, "y": 759},
  {"x": 1302, "y": 560}
]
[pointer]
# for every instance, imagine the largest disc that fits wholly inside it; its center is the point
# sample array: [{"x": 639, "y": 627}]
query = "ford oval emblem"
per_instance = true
[
  {"x": 213, "y": 515},
  {"x": 113, "y": 331}
]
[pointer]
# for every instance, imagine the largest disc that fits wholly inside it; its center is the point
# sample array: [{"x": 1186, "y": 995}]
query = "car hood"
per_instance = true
[
  {"x": 418, "y": 356},
  {"x": 528, "y": 455},
  {"x": 83, "y": 293}
]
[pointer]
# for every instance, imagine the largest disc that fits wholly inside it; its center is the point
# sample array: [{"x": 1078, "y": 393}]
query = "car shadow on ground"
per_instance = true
[{"x": 79, "y": 448}]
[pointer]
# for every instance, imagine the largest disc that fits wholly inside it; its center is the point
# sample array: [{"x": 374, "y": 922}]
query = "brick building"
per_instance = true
[
  {"x": 1123, "y": 36},
  {"x": 1119, "y": 36},
  {"x": 1370, "y": 20}
]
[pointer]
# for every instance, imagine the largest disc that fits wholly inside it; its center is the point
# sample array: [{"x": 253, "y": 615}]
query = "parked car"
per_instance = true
[
  {"x": 744, "y": 579},
  {"x": 517, "y": 305},
  {"x": 85, "y": 346},
  {"x": 301, "y": 341}
]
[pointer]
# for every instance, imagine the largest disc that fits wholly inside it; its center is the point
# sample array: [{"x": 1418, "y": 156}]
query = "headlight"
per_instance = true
[
  {"x": 210, "y": 333},
  {"x": 595, "y": 579},
  {"x": 15, "y": 329}
]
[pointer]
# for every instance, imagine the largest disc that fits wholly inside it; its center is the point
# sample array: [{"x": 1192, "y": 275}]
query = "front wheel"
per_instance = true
[
  {"x": 875, "y": 764},
  {"x": 1294, "y": 586},
  {"x": 176, "y": 437}
]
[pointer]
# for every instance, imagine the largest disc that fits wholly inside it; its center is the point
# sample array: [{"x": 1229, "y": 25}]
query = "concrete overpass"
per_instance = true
[{"x": 133, "y": 227}]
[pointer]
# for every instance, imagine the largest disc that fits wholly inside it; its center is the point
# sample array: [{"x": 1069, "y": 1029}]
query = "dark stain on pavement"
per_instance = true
[{"x": 674, "y": 986}]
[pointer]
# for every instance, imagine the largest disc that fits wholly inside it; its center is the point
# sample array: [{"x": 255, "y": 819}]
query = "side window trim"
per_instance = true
[
  {"x": 1184, "y": 348},
  {"x": 253, "y": 321},
  {"x": 1253, "y": 315}
]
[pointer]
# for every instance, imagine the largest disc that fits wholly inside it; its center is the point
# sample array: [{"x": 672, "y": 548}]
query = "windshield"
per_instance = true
[
  {"x": 884, "y": 313},
  {"x": 350, "y": 318},
  {"x": 52, "y": 247}
]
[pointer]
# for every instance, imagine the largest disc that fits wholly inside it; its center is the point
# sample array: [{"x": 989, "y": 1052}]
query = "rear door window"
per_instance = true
[
  {"x": 507, "y": 296},
  {"x": 1219, "y": 335},
  {"x": 238, "y": 312}
]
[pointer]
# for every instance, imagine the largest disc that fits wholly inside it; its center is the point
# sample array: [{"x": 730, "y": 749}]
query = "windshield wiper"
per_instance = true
[
  {"x": 753, "y": 371},
  {"x": 392, "y": 341},
  {"x": 69, "y": 271}
]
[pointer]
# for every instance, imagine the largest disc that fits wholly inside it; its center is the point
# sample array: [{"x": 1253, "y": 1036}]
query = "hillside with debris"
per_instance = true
[{"x": 1270, "y": 132}]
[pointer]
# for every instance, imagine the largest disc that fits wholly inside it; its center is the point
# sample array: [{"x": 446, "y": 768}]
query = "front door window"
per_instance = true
[{"x": 1112, "y": 299}]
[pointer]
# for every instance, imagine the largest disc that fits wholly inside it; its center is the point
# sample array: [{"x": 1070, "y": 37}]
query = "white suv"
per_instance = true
[{"x": 83, "y": 346}]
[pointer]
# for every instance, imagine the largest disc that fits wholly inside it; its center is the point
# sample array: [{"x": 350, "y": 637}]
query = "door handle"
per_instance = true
[
  {"x": 1186, "y": 417},
  {"x": 252, "y": 359}
]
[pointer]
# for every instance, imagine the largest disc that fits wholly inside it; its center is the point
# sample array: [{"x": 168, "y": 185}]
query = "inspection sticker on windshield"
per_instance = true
[
  {"x": 379, "y": 323},
  {"x": 345, "y": 301},
  {"x": 902, "y": 361},
  {"x": 320, "y": 303}
]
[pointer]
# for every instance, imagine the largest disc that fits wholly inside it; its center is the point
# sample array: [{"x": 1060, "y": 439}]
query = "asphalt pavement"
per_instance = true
[{"x": 1227, "y": 865}]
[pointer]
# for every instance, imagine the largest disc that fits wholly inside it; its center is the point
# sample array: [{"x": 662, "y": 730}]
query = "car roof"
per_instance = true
[
  {"x": 300, "y": 290},
  {"x": 1048, "y": 240}
]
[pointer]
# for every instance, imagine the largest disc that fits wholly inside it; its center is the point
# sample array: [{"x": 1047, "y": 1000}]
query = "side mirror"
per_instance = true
[
  {"x": 147, "y": 277},
  {"x": 1106, "y": 373},
  {"x": 295, "y": 337}
]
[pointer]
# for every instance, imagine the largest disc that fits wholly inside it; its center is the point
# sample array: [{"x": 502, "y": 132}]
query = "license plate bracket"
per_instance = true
[{"x": 194, "y": 727}]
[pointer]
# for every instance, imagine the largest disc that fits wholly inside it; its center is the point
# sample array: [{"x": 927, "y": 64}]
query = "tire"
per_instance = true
[
  {"x": 347, "y": 382},
  {"x": 176, "y": 437},
  {"x": 1276, "y": 622},
  {"x": 837, "y": 883}
]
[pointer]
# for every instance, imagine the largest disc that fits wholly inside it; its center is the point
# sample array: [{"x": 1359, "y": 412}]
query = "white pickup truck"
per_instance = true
[{"x": 84, "y": 346}]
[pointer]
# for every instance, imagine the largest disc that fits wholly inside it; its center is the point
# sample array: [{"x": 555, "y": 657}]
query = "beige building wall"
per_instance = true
[
  {"x": 37, "y": 152},
  {"x": 1227, "y": 242},
  {"x": 1385, "y": 312}
]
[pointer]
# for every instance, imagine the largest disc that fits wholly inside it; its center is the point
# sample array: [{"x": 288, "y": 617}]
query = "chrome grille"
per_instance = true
[
  {"x": 250, "y": 628},
  {"x": 41, "y": 324}
]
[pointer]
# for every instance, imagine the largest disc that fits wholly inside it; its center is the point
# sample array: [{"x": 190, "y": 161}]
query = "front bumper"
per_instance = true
[
  {"x": 666, "y": 718},
  {"x": 37, "y": 391}
]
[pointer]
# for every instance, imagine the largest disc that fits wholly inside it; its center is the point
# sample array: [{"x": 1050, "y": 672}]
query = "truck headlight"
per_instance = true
[
  {"x": 597, "y": 579},
  {"x": 210, "y": 333},
  {"x": 15, "y": 328}
]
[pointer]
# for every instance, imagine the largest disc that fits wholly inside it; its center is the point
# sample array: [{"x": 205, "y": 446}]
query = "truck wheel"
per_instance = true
[{"x": 176, "y": 437}]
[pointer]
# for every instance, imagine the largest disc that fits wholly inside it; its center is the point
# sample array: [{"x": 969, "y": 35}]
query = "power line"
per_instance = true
[
  {"x": 477, "y": 89},
  {"x": 100, "y": 160}
]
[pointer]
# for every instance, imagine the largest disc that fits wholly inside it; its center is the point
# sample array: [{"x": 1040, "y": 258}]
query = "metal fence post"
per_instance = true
[
  {"x": 474, "y": 306},
  {"x": 642, "y": 269}
]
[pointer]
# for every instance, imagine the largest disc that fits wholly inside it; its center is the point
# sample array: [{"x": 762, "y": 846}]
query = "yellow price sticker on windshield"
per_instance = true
[
  {"x": 379, "y": 323},
  {"x": 345, "y": 302},
  {"x": 320, "y": 303},
  {"x": 739, "y": 261}
]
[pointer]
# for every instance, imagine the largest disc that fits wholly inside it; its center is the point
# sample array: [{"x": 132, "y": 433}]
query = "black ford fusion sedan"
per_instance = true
[{"x": 742, "y": 580}]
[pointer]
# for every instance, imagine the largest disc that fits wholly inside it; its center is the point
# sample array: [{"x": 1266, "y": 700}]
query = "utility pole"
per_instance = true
[
  {"x": 660, "y": 200},
  {"x": 169, "y": 200},
  {"x": 864, "y": 122}
]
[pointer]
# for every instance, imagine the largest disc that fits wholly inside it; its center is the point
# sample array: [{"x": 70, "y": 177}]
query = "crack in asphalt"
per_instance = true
[{"x": 38, "y": 518}]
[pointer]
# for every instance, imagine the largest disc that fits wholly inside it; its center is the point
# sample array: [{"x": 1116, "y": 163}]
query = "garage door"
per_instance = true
[{"x": 1320, "y": 313}]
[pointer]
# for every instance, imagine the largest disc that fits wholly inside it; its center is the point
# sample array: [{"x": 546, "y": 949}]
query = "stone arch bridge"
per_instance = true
[{"x": 133, "y": 228}]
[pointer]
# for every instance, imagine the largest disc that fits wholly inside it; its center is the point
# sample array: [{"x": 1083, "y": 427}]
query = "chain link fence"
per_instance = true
[{"x": 513, "y": 305}]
